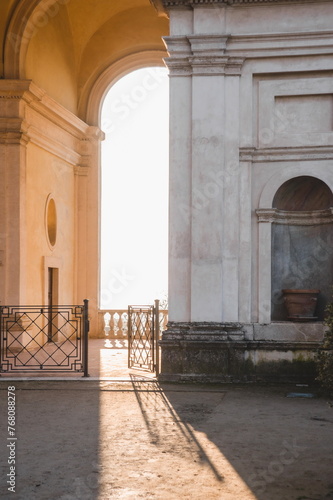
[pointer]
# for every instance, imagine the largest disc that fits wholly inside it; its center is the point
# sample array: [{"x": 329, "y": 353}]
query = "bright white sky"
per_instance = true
[{"x": 134, "y": 218}]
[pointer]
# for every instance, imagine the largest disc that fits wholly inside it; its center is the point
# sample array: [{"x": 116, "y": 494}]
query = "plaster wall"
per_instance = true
[
  {"x": 258, "y": 114},
  {"x": 46, "y": 151},
  {"x": 50, "y": 60},
  {"x": 49, "y": 176},
  {"x": 6, "y": 8}
]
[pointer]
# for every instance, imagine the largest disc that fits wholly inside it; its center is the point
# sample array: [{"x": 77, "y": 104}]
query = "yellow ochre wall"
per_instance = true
[
  {"x": 47, "y": 175},
  {"x": 52, "y": 61}
]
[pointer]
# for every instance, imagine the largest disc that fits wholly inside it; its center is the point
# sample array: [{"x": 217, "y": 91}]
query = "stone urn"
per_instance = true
[{"x": 301, "y": 304}]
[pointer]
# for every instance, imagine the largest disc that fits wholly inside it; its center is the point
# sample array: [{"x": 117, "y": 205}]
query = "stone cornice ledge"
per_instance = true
[
  {"x": 203, "y": 330},
  {"x": 306, "y": 218},
  {"x": 164, "y": 5},
  {"x": 311, "y": 153}
]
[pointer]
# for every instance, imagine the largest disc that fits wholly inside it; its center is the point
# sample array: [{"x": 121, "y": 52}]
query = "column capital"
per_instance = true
[
  {"x": 14, "y": 131},
  {"x": 201, "y": 55},
  {"x": 81, "y": 170},
  {"x": 208, "y": 44}
]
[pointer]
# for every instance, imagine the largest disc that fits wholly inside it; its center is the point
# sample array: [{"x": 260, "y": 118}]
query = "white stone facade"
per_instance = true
[{"x": 251, "y": 107}]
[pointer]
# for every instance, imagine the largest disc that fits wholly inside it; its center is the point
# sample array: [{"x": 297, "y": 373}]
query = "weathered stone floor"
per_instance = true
[{"x": 100, "y": 440}]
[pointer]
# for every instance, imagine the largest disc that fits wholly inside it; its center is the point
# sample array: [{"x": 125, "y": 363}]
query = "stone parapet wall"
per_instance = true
[{"x": 212, "y": 352}]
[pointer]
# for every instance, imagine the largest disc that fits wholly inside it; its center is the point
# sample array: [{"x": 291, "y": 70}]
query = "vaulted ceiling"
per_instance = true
[{"x": 64, "y": 46}]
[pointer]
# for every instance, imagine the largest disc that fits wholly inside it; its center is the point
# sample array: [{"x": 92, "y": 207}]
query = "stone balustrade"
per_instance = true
[{"x": 112, "y": 323}]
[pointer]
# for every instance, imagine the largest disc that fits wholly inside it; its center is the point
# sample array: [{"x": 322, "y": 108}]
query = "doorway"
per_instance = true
[{"x": 52, "y": 299}]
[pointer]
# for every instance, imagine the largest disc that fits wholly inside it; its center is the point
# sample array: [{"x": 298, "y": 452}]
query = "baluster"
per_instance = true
[
  {"x": 107, "y": 317},
  {"x": 120, "y": 324},
  {"x": 112, "y": 323},
  {"x": 125, "y": 324}
]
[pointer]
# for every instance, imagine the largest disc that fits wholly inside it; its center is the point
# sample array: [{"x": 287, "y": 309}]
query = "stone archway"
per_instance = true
[{"x": 91, "y": 103}]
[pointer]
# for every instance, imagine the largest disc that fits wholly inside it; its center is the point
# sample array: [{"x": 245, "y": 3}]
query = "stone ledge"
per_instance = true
[
  {"x": 203, "y": 331},
  {"x": 164, "y": 5},
  {"x": 245, "y": 345}
]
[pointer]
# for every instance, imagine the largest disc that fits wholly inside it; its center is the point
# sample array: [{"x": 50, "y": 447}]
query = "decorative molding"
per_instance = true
[
  {"x": 201, "y": 55},
  {"x": 81, "y": 170},
  {"x": 239, "y": 47},
  {"x": 178, "y": 45},
  {"x": 204, "y": 66},
  {"x": 212, "y": 45},
  {"x": 207, "y": 66},
  {"x": 19, "y": 89},
  {"x": 12, "y": 138},
  {"x": 286, "y": 154},
  {"x": 173, "y": 4},
  {"x": 178, "y": 66},
  {"x": 65, "y": 136},
  {"x": 292, "y": 218},
  {"x": 277, "y": 44},
  {"x": 234, "y": 66}
]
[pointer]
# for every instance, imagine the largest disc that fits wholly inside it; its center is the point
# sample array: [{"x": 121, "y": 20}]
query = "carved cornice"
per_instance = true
[
  {"x": 14, "y": 138},
  {"x": 204, "y": 66},
  {"x": 163, "y": 6},
  {"x": 81, "y": 170},
  {"x": 14, "y": 131},
  {"x": 47, "y": 124},
  {"x": 201, "y": 55},
  {"x": 172, "y": 4},
  {"x": 286, "y": 154},
  {"x": 306, "y": 218},
  {"x": 212, "y": 45}
]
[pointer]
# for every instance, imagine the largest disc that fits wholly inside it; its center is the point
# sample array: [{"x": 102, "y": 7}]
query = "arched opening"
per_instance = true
[
  {"x": 134, "y": 190},
  {"x": 302, "y": 254},
  {"x": 303, "y": 193}
]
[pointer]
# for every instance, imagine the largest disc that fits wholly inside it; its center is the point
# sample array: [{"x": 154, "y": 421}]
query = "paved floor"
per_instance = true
[
  {"x": 107, "y": 359},
  {"x": 121, "y": 435},
  {"x": 101, "y": 440}
]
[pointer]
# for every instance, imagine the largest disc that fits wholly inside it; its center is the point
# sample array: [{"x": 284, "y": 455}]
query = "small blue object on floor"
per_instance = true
[{"x": 300, "y": 395}]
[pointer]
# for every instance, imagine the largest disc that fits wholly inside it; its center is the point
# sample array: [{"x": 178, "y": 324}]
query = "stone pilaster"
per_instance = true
[
  {"x": 87, "y": 186},
  {"x": 13, "y": 146},
  {"x": 204, "y": 178}
]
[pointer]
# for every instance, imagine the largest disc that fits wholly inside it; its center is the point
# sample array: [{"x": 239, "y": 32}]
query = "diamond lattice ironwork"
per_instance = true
[
  {"x": 141, "y": 353},
  {"x": 43, "y": 338}
]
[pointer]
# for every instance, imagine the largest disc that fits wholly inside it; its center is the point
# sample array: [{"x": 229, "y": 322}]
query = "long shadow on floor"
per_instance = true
[
  {"x": 57, "y": 446},
  {"x": 251, "y": 442}
]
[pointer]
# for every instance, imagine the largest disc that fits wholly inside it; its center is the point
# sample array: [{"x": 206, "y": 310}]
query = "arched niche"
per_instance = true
[{"x": 302, "y": 242}]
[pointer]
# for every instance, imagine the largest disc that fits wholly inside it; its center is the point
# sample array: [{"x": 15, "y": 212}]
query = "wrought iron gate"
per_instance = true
[
  {"x": 44, "y": 339},
  {"x": 143, "y": 337}
]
